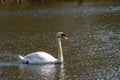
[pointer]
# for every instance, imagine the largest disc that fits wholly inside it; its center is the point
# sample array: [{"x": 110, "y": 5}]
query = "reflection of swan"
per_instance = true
[
  {"x": 43, "y": 72},
  {"x": 43, "y": 57}
]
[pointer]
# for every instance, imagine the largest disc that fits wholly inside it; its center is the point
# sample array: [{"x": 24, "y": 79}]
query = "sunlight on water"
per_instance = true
[{"x": 73, "y": 12}]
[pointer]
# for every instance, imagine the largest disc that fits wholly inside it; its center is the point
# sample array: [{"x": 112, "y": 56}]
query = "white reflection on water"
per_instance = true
[{"x": 45, "y": 72}]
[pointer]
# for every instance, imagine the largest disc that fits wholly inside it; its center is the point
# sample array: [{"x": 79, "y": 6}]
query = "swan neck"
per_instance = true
[{"x": 60, "y": 54}]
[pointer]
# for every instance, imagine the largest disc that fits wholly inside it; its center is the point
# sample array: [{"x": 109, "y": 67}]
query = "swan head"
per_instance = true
[{"x": 61, "y": 35}]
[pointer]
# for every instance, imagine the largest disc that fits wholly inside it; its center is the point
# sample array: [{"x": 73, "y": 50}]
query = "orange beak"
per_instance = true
[{"x": 65, "y": 38}]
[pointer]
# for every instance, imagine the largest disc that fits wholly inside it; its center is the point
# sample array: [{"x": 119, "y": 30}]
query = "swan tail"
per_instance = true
[{"x": 21, "y": 57}]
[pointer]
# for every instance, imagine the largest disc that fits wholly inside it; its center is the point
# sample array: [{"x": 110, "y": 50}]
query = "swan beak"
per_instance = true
[{"x": 65, "y": 38}]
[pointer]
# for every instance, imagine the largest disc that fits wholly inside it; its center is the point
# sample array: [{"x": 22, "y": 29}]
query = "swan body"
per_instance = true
[
  {"x": 38, "y": 58},
  {"x": 43, "y": 57}
]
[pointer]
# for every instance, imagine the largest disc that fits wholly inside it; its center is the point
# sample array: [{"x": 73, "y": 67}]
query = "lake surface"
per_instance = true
[{"x": 91, "y": 53}]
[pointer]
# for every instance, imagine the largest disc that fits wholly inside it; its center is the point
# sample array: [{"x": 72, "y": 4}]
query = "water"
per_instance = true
[{"x": 91, "y": 53}]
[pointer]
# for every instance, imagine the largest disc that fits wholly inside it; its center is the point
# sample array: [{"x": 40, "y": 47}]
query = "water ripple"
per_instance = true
[{"x": 63, "y": 11}]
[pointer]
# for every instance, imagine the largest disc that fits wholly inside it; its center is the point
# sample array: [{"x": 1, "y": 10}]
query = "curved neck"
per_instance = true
[{"x": 60, "y": 54}]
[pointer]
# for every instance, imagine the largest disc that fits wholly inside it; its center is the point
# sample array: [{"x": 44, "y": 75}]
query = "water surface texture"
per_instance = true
[{"x": 91, "y": 53}]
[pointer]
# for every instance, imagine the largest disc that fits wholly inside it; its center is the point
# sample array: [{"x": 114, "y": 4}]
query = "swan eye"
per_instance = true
[{"x": 63, "y": 35}]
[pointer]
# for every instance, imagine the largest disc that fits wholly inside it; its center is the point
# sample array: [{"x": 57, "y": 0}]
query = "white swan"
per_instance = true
[{"x": 43, "y": 57}]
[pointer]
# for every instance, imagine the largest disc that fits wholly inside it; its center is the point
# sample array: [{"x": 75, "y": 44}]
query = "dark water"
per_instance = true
[{"x": 91, "y": 53}]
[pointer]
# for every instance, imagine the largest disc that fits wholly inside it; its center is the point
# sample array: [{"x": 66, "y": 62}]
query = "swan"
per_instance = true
[{"x": 43, "y": 57}]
